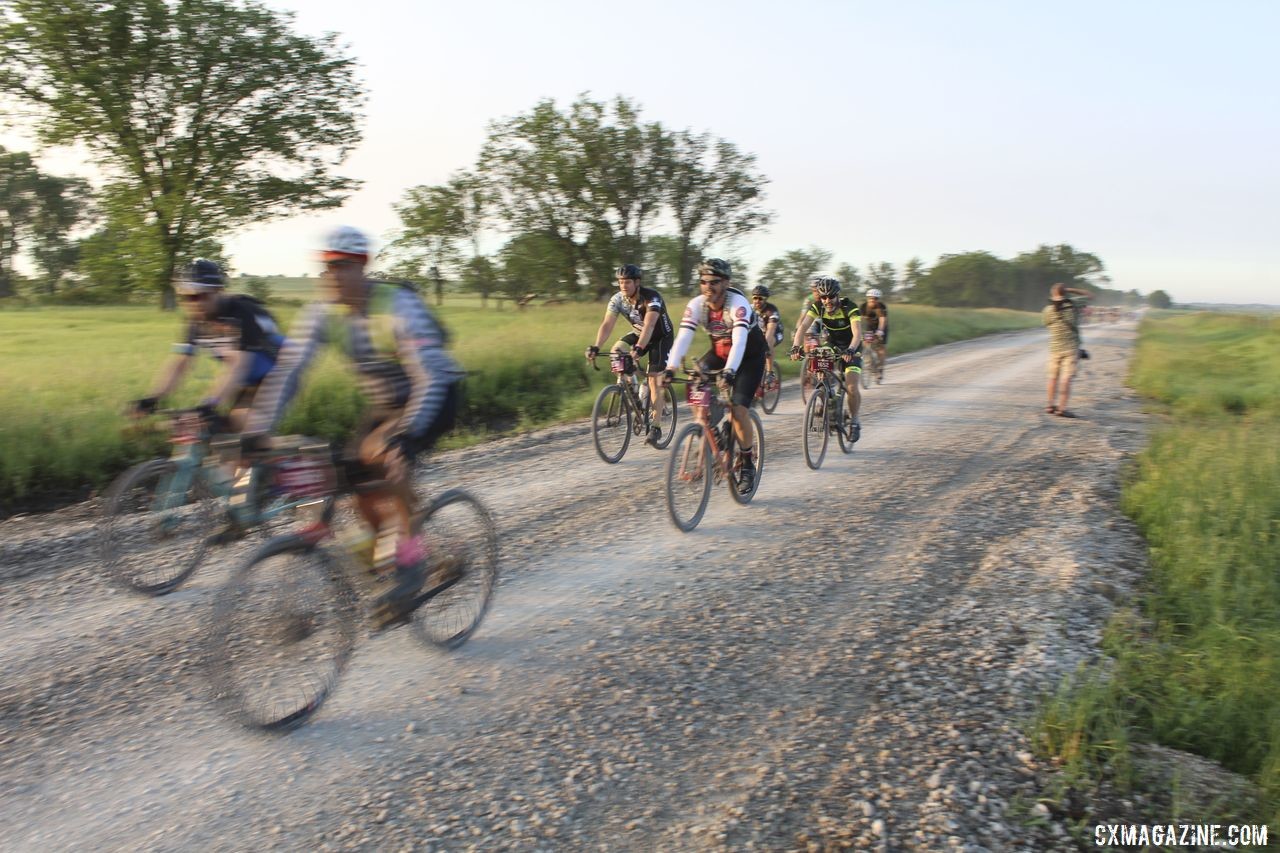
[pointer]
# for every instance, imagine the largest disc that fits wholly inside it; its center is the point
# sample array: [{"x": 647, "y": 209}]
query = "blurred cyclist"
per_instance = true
[
  {"x": 875, "y": 318},
  {"x": 839, "y": 316},
  {"x": 653, "y": 334},
  {"x": 770, "y": 320},
  {"x": 397, "y": 348},
  {"x": 237, "y": 330}
]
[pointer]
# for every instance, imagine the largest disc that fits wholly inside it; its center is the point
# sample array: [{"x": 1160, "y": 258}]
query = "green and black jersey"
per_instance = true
[{"x": 840, "y": 322}]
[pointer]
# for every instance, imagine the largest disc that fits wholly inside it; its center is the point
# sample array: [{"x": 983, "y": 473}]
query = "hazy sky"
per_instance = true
[{"x": 1145, "y": 132}]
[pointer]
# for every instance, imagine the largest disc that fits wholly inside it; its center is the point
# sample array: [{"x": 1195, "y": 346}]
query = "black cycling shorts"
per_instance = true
[
  {"x": 657, "y": 351},
  {"x": 444, "y": 421},
  {"x": 750, "y": 372}
]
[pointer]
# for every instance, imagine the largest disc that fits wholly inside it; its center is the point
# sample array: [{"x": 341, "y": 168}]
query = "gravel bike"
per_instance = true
[
  {"x": 623, "y": 410},
  {"x": 706, "y": 452},
  {"x": 826, "y": 411},
  {"x": 872, "y": 363},
  {"x": 161, "y": 517},
  {"x": 769, "y": 392},
  {"x": 286, "y": 621}
]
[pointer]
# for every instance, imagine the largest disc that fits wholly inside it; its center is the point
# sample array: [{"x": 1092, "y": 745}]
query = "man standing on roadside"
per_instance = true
[{"x": 1062, "y": 316}]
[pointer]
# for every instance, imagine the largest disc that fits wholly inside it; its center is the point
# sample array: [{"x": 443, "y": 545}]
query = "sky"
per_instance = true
[{"x": 1147, "y": 133}]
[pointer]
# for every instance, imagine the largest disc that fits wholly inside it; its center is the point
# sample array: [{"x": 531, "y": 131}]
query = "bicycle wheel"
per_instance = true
[
  {"x": 157, "y": 520},
  {"x": 611, "y": 424},
  {"x": 772, "y": 393},
  {"x": 689, "y": 476},
  {"x": 816, "y": 423},
  {"x": 843, "y": 422},
  {"x": 459, "y": 534},
  {"x": 757, "y": 445},
  {"x": 668, "y": 422},
  {"x": 806, "y": 381},
  {"x": 283, "y": 629}
]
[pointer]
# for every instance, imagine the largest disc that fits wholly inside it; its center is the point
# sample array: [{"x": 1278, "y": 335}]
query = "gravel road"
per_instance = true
[{"x": 848, "y": 661}]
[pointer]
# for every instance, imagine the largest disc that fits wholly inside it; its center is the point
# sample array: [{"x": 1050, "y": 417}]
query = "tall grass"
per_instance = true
[
  {"x": 66, "y": 374},
  {"x": 1200, "y": 671}
]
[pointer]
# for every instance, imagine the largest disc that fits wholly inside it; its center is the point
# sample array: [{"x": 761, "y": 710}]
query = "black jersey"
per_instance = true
[
  {"x": 635, "y": 311},
  {"x": 241, "y": 323}
]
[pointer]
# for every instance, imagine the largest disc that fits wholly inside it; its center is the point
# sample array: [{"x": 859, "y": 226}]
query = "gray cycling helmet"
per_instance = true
[
  {"x": 629, "y": 271},
  {"x": 826, "y": 285},
  {"x": 717, "y": 267},
  {"x": 761, "y": 291},
  {"x": 200, "y": 276}
]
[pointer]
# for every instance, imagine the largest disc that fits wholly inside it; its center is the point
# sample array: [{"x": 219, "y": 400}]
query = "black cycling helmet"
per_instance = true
[
  {"x": 761, "y": 291},
  {"x": 629, "y": 271},
  {"x": 826, "y": 285},
  {"x": 717, "y": 267},
  {"x": 200, "y": 276}
]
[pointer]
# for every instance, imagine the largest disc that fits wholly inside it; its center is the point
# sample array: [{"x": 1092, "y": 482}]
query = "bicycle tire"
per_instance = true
[
  {"x": 844, "y": 421},
  {"x": 238, "y": 605},
  {"x": 669, "y": 422},
  {"x": 758, "y": 426},
  {"x": 689, "y": 474},
  {"x": 816, "y": 427},
  {"x": 616, "y": 423},
  {"x": 772, "y": 393},
  {"x": 806, "y": 382},
  {"x": 448, "y": 619},
  {"x": 133, "y": 494}
]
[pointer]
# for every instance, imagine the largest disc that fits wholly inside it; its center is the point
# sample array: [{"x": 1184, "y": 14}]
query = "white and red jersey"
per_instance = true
[{"x": 729, "y": 326}]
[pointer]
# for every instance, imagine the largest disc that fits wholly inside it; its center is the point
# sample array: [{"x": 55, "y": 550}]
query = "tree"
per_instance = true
[
  {"x": 911, "y": 275},
  {"x": 663, "y": 252},
  {"x": 533, "y": 263},
  {"x": 210, "y": 114},
  {"x": 1037, "y": 271},
  {"x": 435, "y": 220},
  {"x": 849, "y": 277},
  {"x": 883, "y": 276},
  {"x": 792, "y": 272},
  {"x": 40, "y": 211},
  {"x": 969, "y": 280},
  {"x": 1159, "y": 299}
]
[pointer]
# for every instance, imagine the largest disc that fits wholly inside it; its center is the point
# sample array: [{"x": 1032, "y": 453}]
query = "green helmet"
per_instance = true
[{"x": 717, "y": 267}]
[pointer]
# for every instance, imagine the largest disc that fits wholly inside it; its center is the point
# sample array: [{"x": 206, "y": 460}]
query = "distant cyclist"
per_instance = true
[
  {"x": 839, "y": 316},
  {"x": 875, "y": 319},
  {"x": 737, "y": 350},
  {"x": 770, "y": 320},
  {"x": 237, "y": 330},
  {"x": 409, "y": 379},
  {"x": 653, "y": 333}
]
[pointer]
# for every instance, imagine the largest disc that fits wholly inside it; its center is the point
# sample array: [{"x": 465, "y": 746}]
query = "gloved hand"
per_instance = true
[
  {"x": 879, "y": 333},
  {"x": 252, "y": 443},
  {"x": 1084, "y": 354},
  {"x": 637, "y": 351},
  {"x": 795, "y": 353},
  {"x": 667, "y": 376},
  {"x": 727, "y": 376},
  {"x": 145, "y": 406},
  {"x": 592, "y": 352}
]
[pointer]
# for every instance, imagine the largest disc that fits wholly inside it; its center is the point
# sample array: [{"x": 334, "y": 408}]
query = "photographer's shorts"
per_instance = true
[{"x": 1062, "y": 365}]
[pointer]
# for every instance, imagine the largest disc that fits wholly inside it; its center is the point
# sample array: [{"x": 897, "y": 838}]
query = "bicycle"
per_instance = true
[
  {"x": 872, "y": 364},
  {"x": 825, "y": 412},
  {"x": 286, "y": 621},
  {"x": 769, "y": 392},
  {"x": 178, "y": 507},
  {"x": 623, "y": 410},
  {"x": 705, "y": 452}
]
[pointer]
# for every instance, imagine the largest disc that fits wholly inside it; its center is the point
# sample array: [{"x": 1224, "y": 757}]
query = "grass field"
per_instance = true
[
  {"x": 66, "y": 374},
  {"x": 1197, "y": 666}
]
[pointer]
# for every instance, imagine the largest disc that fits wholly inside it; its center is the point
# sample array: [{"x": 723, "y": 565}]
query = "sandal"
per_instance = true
[
  {"x": 1063, "y": 413},
  {"x": 1051, "y": 410}
]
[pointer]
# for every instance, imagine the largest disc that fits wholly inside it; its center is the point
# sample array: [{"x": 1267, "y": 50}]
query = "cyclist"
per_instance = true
[
  {"x": 770, "y": 320},
  {"x": 647, "y": 313},
  {"x": 412, "y": 384},
  {"x": 738, "y": 350},
  {"x": 839, "y": 316},
  {"x": 875, "y": 318},
  {"x": 237, "y": 330}
]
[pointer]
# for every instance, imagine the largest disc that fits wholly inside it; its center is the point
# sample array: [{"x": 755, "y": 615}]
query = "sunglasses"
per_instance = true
[
  {"x": 191, "y": 297},
  {"x": 710, "y": 280}
]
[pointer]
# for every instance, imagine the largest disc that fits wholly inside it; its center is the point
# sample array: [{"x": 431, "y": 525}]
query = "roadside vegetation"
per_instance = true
[
  {"x": 1196, "y": 664},
  {"x": 66, "y": 374}
]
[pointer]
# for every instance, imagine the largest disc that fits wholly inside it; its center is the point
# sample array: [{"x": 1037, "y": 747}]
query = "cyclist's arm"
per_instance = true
[
  {"x": 430, "y": 369},
  {"x": 771, "y": 332},
  {"x": 172, "y": 375},
  {"x": 232, "y": 379},
  {"x": 688, "y": 325},
  {"x": 806, "y": 320},
  {"x": 606, "y": 327},
  {"x": 646, "y": 334},
  {"x": 281, "y": 383}
]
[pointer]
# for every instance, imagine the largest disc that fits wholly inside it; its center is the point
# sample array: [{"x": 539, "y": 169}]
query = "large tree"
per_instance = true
[
  {"x": 969, "y": 280},
  {"x": 209, "y": 114},
  {"x": 435, "y": 224},
  {"x": 1048, "y": 265}
]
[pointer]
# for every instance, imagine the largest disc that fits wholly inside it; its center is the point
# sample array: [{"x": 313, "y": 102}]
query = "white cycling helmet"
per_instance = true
[
  {"x": 345, "y": 242},
  {"x": 874, "y": 293}
]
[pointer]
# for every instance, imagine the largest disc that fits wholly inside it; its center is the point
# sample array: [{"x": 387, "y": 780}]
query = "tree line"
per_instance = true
[{"x": 212, "y": 115}]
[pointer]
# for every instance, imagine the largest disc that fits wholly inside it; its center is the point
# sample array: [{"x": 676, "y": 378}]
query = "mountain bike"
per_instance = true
[
  {"x": 286, "y": 621},
  {"x": 825, "y": 412},
  {"x": 872, "y": 363},
  {"x": 161, "y": 517},
  {"x": 623, "y": 410},
  {"x": 706, "y": 452},
  {"x": 769, "y": 392}
]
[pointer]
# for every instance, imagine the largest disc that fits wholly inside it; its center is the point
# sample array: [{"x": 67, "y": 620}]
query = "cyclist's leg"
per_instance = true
[
  {"x": 658, "y": 352},
  {"x": 750, "y": 373},
  {"x": 629, "y": 340},
  {"x": 853, "y": 393}
]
